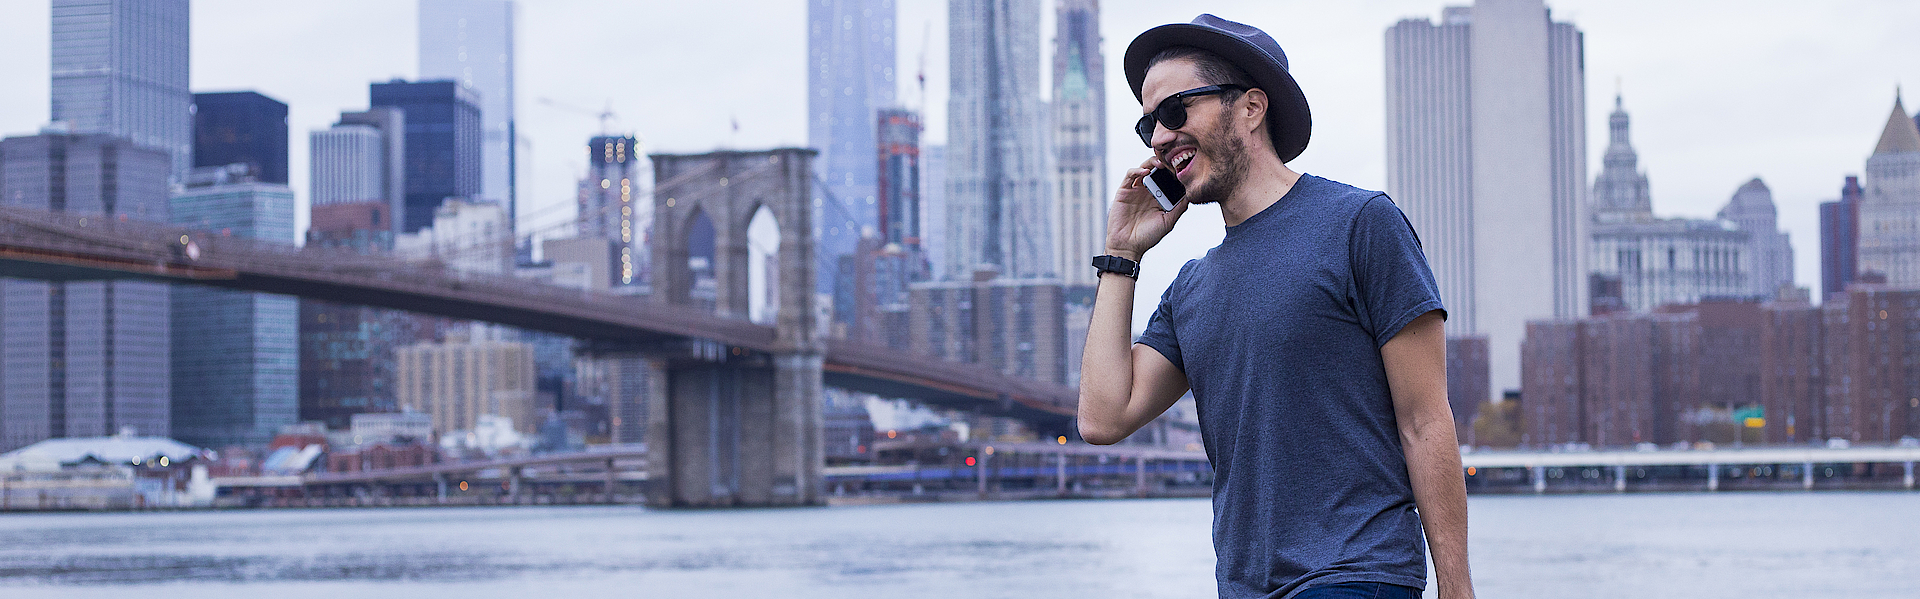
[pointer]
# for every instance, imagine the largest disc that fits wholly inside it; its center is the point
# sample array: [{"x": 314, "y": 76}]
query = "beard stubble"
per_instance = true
[{"x": 1229, "y": 155}]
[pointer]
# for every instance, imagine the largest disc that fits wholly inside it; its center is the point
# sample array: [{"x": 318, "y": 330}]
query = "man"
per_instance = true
[{"x": 1312, "y": 337}]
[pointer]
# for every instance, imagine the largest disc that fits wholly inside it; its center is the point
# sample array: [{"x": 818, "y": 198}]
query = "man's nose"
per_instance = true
[{"x": 1163, "y": 138}]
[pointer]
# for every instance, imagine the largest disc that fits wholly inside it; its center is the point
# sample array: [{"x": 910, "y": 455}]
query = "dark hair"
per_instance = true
[{"x": 1211, "y": 68}]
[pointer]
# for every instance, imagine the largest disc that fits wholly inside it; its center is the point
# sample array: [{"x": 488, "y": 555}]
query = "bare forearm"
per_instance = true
[
  {"x": 1440, "y": 493},
  {"x": 1106, "y": 365}
]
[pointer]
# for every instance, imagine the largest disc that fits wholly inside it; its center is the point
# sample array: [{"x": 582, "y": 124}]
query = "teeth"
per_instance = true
[{"x": 1180, "y": 161}]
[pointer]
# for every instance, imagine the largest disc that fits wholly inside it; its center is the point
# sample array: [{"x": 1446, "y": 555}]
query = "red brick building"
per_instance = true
[
  {"x": 1792, "y": 377},
  {"x": 1873, "y": 364},
  {"x": 1849, "y": 369},
  {"x": 1551, "y": 410}
]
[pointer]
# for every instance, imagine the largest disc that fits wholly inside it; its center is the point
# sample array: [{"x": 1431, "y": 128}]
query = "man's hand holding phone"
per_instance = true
[{"x": 1145, "y": 208}]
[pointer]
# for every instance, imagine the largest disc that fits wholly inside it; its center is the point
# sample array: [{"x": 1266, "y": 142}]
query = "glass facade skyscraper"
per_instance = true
[
  {"x": 442, "y": 151},
  {"x": 120, "y": 68},
  {"x": 90, "y": 357},
  {"x": 471, "y": 42},
  {"x": 236, "y": 363},
  {"x": 999, "y": 196},
  {"x": 850, "y": 75},
  {"x": 82, "y": 358},
  {"x": 241, "y": 128}
]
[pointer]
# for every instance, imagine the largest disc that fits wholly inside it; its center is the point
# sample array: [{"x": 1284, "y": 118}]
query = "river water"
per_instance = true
[{"x": 1697, "y": 546}]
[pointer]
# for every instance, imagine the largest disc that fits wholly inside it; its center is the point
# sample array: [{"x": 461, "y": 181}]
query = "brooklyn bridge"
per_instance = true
[{"x": 738, "y": 418}]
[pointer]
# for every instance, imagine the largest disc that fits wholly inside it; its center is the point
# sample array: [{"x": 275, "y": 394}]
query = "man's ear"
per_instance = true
[{"x": 1255, "y": 117}]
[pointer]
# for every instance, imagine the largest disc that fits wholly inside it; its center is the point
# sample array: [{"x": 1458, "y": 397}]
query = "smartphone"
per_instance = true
[{"x": 1165, "y": 187}]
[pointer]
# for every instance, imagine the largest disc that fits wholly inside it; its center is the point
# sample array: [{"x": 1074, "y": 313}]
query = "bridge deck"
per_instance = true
[{"x": 67, "y": 246}]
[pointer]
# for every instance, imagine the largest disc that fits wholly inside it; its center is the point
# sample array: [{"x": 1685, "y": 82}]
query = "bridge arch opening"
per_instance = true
[
  {"x": 763, "y": 266},
  {"x": 702, "y": 289}
]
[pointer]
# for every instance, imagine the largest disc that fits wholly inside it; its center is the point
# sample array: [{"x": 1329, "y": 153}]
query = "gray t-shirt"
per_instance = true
[{"x": 1279, "y": 332}]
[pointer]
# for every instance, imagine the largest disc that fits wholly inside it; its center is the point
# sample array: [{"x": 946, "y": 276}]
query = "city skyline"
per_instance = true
[{"x": 1699, "y": 116}]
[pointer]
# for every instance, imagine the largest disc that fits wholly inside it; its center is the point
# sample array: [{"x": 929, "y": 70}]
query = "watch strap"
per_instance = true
[{"x": 1116, "y": 264}]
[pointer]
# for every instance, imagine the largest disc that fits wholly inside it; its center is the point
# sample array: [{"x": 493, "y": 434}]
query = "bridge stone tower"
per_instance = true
[{"x": 733, "y": 427}]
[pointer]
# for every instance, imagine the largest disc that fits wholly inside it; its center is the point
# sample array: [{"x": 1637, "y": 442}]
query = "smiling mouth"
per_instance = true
[{"x": 1179, "y": 161}]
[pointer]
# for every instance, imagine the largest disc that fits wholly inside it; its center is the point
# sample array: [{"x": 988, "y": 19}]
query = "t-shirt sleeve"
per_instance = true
[
  {"x": 1159, "y": 334},
  {"x": 1392, "y": 284}
]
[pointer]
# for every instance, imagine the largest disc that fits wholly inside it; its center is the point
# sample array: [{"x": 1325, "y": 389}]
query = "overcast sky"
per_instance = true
[{"x": 1794, "y": 92}]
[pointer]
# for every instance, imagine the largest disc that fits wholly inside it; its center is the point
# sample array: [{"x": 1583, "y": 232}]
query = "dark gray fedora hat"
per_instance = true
[{"x": 1289, "y": 123}]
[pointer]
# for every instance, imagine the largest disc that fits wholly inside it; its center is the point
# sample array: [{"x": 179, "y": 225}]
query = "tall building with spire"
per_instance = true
[
  {"x": 1620, "y": 193},
  {"x": 1079, "y": 140},
  {"x": 1890, "y": 211},
  {"x": 999, "y": 196},
  {"x": 1640, "y": 261},
  {"x": 1486, "y": 153}
]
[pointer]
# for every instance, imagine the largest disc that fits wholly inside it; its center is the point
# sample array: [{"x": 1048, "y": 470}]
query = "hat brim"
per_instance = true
[{"x": 1289, "y": 122}]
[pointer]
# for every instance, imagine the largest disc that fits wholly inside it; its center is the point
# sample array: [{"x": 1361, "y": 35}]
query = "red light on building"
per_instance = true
[{"x": 969, "y": 460}]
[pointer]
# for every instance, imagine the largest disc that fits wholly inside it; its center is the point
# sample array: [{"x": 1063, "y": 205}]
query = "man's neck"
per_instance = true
[{"x": 1268, "y": 180}]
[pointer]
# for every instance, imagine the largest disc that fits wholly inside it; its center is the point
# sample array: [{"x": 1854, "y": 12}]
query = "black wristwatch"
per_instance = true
[{"x": 1116, "y": 264}]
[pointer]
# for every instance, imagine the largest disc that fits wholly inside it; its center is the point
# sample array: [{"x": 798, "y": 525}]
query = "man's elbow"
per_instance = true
[
  {"x": 1434, "y": 432},
  {"x": 1099, "y": 435}
]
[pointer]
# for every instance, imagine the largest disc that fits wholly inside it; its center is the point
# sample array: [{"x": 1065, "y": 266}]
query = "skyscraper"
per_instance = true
[
  {"x": 241, "y": 128},
  {"x": 83, "y": 358},
  {"x": 1486, "y": 153},
  {"x": 236, "y": 368},
  {"x": 348, "y": 161},
  {"x": 614, "y": 206},
  {"x": 471, "y": 42},
  {"x": 1840, "y": 238},
  {"x": 442, "y": 151},
  {"x": 1890, "y": 212},
  {"x": 933, "y": 204},
  {"x": 894, "y": 258},
  {"x": 899, "y": 181},
  {"x": 850, "y": 64},
  {"x": 120, "y": 68},
  {"x": 89, "y": 357},
  {"x": 347, "y": 165},
  {"x": 999, "y": 197},
  {"x": 1769, "y": 250},
  {"x": 1079, "y": 140}
]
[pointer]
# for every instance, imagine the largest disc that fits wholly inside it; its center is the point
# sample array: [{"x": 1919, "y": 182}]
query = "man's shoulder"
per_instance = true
[
  {"x": 1335, "y": 193},
  {"x": 1193, "y": 271}
]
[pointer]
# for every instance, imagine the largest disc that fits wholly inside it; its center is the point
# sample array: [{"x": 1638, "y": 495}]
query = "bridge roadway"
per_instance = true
[
  {"x": 1006, "y": 470},
  {"x": 617, "y": 468},
  {"x": 1615, "y": 463},
  {"x": 36, "y": 244}
]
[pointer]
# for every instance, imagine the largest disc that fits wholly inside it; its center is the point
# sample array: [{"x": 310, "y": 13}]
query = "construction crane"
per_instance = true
[{"x": 606, "y": 115}]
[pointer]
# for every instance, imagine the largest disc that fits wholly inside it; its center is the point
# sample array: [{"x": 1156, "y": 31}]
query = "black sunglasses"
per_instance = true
[{"x": 1172, "y": 111}]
